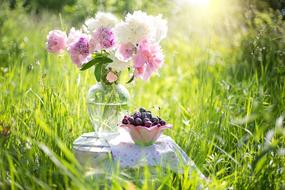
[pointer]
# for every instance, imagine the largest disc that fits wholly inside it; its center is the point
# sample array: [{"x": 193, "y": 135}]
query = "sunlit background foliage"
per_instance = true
[{"x": 222, "y": 87}]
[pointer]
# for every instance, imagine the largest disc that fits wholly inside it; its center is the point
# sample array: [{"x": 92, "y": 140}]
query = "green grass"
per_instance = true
[{"x": 222, "y": 101}]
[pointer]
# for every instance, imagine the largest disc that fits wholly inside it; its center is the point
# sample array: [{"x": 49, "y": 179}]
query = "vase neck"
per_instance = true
[{"x": 108, "y": 85}]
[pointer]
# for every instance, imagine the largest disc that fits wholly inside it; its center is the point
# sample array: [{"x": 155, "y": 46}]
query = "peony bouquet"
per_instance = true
[{"x": 112, "y": 46}]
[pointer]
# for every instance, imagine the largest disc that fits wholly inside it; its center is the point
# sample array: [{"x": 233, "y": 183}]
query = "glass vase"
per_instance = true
[{"x": 107, "y": 104}]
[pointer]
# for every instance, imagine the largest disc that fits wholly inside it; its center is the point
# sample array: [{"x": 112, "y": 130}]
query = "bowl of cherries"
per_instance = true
[{"x": 143, "y": 127}]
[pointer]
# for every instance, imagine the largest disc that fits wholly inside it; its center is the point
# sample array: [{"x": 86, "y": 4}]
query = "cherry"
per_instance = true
[
  {"x": 131, "y": 120},
  {"x": 137, "y": 114},
  {"x": 125, "y": 121},
  {"x": 148, "y": 123},
  {"x": 162, "y": 122},
  {"x": 138, "y": 121}
]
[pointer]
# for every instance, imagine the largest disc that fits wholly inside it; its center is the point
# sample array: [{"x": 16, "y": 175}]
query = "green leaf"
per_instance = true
[
  {"x": 131, "y": 79},
  {"x": 98, "y": 71},
  {"x": 88, "y": 64},
  {"x": 102, "y": 57},
  {"x": 97, "y": 58}
]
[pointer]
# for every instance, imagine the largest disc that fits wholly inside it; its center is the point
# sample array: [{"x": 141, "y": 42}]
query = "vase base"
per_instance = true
[
  {"x": 106, "y": 134},
  {"x": 103, "y": 137}
]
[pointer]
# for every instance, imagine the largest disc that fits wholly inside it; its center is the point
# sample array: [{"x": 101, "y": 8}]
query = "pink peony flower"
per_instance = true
[
  {"x": 126, "y": 51},
  {"x": 79, "y": 50},
  {"x": 103, "y": 38},
  {"x": 148, "y": 59},
  {"x": 111, "y": 77},
  {"x": 56, "y": 41},
  {"x": 73, "y": 36}
]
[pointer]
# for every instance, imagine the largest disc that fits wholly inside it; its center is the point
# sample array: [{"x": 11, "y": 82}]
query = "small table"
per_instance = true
[{"x": 105, "y": 155}]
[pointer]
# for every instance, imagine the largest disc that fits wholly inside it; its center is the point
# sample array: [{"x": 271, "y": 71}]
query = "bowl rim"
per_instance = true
[{"x": 166, "y": 126}]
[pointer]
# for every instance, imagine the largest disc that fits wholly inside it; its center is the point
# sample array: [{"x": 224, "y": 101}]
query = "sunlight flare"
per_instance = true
[{"x": 199, "y": 2}]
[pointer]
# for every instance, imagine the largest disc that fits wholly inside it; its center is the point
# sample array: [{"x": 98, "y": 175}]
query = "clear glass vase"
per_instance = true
[{"x": 107, "y": 104}]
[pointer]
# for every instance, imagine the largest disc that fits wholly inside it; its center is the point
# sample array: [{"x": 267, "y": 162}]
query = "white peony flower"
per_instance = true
[
  {"x": 135, "y": 28},
  {"x": 122, "y": 32},
  {"x": 139, "y": 26},
  {"x": 117, "y": 64},
  {"x": 159, "y": 28},
  {"x": 90, "y": 24},
  {"x": 101, "y": 20}
]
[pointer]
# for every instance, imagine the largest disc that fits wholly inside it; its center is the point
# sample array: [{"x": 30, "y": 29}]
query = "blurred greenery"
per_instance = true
[{"x": 222, "y": 87}]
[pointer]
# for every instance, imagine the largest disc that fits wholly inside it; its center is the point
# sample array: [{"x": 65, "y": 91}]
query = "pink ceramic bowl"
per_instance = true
[{"x": 142, "y": 135}]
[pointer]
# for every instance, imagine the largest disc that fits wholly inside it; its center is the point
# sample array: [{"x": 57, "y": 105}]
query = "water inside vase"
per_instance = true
[{"x": 106, "y": 117}]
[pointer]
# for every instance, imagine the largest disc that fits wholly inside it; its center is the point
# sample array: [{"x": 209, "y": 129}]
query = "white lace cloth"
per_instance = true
[{"x": 164, "y": 153}]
